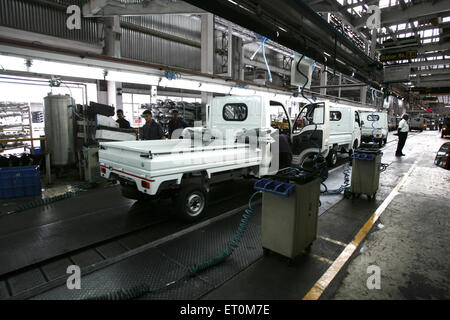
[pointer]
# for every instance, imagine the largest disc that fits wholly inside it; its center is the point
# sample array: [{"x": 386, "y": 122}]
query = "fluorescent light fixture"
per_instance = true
[
  {"x": 65, "y": 69},
  {"x": 180, "y": 84},
  {"x": 138, "y": 78},
  {"x": 215, "y": 88},
  {"x": 242, "y": 92},
  {"x": 13, "y": 63}
]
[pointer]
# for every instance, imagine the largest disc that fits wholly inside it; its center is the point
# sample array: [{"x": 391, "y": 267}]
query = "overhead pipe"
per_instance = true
[{"x": 324, "y": 24}]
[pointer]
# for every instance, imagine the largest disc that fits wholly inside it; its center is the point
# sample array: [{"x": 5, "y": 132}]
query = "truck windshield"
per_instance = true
[{"x": 310, "y": 114}]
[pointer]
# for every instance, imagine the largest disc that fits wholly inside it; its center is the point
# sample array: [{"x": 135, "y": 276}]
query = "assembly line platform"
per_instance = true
[{"x": 408, "y": 242}]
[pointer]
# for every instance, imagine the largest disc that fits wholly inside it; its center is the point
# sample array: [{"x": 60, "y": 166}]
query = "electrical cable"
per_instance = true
[{"x": 143, "y": 289}]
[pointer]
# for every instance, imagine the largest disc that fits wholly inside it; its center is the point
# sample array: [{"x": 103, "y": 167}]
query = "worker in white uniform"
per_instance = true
[{"x": 403, "y": 129}]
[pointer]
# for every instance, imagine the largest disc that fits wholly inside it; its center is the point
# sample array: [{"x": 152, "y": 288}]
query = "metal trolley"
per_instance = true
[{"x": 365, "y": 172}]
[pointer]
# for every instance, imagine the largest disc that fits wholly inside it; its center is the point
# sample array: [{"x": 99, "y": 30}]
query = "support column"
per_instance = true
[
  {"x": 230, "y": 51},
  {"x": 237, "y": 66},
  {"x": 112, "y": 48},
  {"x": 340, "y": 82},
  {"x": 323, "y": 80},
  {"x": 207, "y": 55},
  {"x": 373, "y": 44},
  {"x": 363, "y": 94}
]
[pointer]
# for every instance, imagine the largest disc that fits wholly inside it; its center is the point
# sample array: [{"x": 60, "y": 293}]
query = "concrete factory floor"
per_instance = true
[{"x": 409, "y": 243}]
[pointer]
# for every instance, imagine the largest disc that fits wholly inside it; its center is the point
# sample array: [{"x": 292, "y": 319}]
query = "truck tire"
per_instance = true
[
  {"x": 332, "y": 158},
  {"x": 191, "y": 202}
]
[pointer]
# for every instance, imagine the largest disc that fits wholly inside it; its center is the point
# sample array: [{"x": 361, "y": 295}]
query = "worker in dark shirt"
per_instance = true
[
  {"x": 151, "y": 129},
  {"x": 176, "y": 123},
  {"x": 124, "y": 124}
]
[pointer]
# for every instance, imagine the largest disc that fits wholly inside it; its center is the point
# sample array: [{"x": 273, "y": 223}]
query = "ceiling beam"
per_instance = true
[
  {"x": 432, "y": 84},
  {"x": 335, "y": 7},
  {"x": 108, "y": 8},
  {"x": 436, "y": 77},
  {"x": 415, "y": 29},
  {"x": 420, "y": 49},
  {"x": 431, "y": 71},
  {"x": 392, "y": 15},
  {"x": 429, "y": 63}
]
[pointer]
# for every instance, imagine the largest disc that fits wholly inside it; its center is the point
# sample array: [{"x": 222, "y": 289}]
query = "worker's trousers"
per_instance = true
[{"x": 401, "y": 142}]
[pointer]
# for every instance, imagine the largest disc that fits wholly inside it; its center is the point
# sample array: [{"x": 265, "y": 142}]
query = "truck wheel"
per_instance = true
[
  {"x": 332, "y": 158},
  {"x": 191, "y": 202}
]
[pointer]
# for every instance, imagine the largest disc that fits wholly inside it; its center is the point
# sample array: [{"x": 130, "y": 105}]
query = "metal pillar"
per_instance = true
[
  {"x": 323, "y": 81},
  {"x": 112, "y": 48},
  {"x": 237, "y": 67},
  {"x": 207, "y": 55},
  {"x": 363, "y": 94},
  {"x": 373, "y": 44},
  {"x": 340, "y": 83}
]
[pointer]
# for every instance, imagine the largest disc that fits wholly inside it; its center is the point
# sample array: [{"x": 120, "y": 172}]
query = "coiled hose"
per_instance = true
[
  {"x": 144, "y": 289},
  {"x": 46, "y": 201},
  {"x": 343, "y": 187}
]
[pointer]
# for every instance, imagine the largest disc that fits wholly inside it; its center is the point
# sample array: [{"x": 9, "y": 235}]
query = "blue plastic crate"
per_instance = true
[
  {"x": 275, "y": 187},
  {"x": 20, "y": 182},
  {"x": 364, "y": 156}
]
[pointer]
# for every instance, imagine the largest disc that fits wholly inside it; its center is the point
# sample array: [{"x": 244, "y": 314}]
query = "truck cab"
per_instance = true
[{"x": 308, "y": 132}]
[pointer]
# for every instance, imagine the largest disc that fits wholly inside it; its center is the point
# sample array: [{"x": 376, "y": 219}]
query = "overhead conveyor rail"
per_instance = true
[{"x": 302, "y": 30}]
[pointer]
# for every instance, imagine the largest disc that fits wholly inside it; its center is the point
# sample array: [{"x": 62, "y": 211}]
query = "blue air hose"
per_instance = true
[
  {"x": 172, "y": 75},
  {"x": 144, "y": 289},
  {"x": 261, "y": 46}
]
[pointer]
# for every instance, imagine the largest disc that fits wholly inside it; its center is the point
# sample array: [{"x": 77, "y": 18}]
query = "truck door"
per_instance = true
[{"x": 310, "y": 132}]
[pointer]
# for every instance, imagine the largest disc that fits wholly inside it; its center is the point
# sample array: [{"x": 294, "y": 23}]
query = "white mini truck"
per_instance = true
[
  {"x": 375, "y": 127},
  {"x": 239, "y": 140}
]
